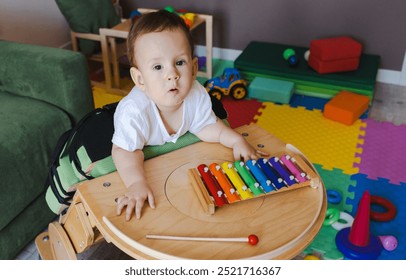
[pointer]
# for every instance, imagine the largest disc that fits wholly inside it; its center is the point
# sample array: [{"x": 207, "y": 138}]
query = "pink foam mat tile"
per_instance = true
[{"x": 383, "y": 151}]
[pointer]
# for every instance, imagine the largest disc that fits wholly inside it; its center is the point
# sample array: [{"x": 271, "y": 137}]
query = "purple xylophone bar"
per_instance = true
[{"x": 282, "y": 170}]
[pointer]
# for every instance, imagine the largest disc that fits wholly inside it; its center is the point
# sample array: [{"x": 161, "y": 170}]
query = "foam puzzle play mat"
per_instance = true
[{"x": 325, "y": 115}]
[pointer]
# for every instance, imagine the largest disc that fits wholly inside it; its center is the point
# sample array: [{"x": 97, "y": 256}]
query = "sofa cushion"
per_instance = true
[
  {"x": 29, "y": 130},
  {"x": 87, "y": 17},
  {"x": 53, "y": 75}
]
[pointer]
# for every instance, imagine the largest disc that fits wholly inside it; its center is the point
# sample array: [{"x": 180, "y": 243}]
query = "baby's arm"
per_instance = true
[
  {"x": 130, "y": 166},
  {"x": 219, "y": 132}
]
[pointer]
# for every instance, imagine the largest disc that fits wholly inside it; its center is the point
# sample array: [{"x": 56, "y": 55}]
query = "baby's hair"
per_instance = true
[{"x": 156, "y": 22}]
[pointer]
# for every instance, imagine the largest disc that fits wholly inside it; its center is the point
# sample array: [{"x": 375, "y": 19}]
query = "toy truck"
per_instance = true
[{"x": 230, "y": 83}]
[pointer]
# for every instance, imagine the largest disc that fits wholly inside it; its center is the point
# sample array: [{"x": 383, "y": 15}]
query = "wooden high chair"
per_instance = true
[{"x": 285, "y": 223}]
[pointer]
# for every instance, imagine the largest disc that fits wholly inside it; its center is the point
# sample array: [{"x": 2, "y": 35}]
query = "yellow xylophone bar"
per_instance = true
[
  {"x": 230, "y": 192},
  {"x": 236, "y": 180}
]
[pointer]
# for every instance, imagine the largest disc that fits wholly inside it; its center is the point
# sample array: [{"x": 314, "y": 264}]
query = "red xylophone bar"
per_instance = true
[{"x": 212, "y": 185}]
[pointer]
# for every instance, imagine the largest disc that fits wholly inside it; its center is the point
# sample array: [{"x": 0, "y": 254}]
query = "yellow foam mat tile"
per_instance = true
[
  {"x": 325, "y": 142},
  {"x": 101, "y": 97}
]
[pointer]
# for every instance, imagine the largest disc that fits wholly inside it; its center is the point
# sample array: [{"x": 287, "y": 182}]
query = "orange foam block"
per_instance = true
[{"x": 346, "y": 107}]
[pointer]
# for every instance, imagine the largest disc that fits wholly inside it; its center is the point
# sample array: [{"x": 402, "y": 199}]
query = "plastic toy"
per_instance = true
[
  {"x": 311, "y": 258},
  {"x": 346, "y": 107},
  {"x": 345, "y": 220},
  {"x": 332, "y": 216},
  {"x": 356, "y": 243},
  {"x": 290, "y": 56},
  {"x": 333, "y": 196},
  {"x": 386, "y": 216},
  {"x": 201, "y": 61},
  {"x": 187, "y": 17},
  {"x": 230, "y": 83},
  {"x": 389, "y": 242},
  {"x": 306, "y": 55},
  {"x": 135, "y": 13}
]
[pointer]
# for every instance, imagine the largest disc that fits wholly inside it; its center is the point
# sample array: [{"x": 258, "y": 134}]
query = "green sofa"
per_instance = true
[{"x": 43, "y": 92}]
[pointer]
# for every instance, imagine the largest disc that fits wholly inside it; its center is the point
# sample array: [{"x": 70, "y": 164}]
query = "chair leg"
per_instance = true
[
  {"x": 106, "y": 61},
  {"x": 74, "y": 41},
  {"x": 209, "y": 47},
  {"x": 115, "y": 64}
]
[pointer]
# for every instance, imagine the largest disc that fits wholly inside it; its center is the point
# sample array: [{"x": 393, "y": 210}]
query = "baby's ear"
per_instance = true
[
  {"x": 137, "y": 78},
  {"x": 195, "y": 67}
]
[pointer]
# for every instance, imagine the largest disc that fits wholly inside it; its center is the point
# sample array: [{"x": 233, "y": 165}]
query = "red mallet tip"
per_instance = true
[{"x": 253, "y": 239}]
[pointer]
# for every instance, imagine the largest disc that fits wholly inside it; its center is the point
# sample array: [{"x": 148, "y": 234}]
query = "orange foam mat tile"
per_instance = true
[{"x": 325, "y": 142}]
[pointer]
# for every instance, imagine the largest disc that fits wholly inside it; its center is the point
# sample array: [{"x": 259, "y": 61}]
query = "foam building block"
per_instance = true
[
  {"x": 335, "y": 48},
  {"x": 267, "y": 89},
  {"x": 338, "y": 54},
  {"x": 325, "y": 67},
  {"x": 346, "y": 107}
]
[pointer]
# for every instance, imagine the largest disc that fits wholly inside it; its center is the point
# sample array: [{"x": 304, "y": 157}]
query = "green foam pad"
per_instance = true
[
  {"x": 266, "y": 89},
  {"x": 311, "y": 88},
  {"x": 267, "y": 58}
]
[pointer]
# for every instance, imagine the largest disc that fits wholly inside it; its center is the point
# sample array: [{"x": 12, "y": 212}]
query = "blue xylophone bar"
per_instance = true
[
  {"x": 265, "y": 183},
  {"x": 275, "y": 178},
  {"x": 281, "y": 169}
]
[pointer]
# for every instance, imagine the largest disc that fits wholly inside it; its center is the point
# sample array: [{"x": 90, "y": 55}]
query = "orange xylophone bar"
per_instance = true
[{"x": 229, "y": 190}]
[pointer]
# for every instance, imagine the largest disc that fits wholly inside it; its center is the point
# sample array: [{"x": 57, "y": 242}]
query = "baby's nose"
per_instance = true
[
  {"x": 173, "y": 74},
  {"x": 174, "y": 77}
]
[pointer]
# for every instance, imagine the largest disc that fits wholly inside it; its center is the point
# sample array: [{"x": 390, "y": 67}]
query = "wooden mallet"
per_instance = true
[{"x": 251, "y": 239}]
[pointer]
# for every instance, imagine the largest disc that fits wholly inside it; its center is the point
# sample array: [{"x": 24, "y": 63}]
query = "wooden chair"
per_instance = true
[{"x": 85, "y": 18}]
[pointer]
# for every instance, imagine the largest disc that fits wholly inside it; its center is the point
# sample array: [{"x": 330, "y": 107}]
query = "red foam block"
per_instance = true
[
  {"x": 335, "y": 48},
  {"x": 333, "y": 66}
]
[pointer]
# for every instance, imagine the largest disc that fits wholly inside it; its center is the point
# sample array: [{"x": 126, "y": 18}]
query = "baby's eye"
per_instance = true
[
  {"x": 157, "y": 67},
  {"x": 180, "y": 62}
]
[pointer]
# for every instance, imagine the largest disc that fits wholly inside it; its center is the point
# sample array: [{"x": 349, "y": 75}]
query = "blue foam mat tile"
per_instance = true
[
  {"x": 364, "y": 115},
  {"x": 397, "y": 195},
  {"x": 309, "y": 102}
]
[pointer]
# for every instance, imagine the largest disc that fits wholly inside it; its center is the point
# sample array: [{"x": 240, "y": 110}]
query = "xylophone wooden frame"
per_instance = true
[
  {"x": 206, "y": 200},
  {"x": 285, "y": 223}
]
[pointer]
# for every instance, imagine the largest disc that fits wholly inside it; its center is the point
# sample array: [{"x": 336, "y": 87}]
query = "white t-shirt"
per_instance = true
[{"x": 137, "y": 122}]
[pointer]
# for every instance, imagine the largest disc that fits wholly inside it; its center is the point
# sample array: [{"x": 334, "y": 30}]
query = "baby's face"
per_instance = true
[{"x": 166, "y": 69}]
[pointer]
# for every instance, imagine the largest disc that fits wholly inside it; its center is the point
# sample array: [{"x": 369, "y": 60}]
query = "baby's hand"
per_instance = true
[
  {"x": 243, "y": 150},
  {"x": 134, "y": 199}
]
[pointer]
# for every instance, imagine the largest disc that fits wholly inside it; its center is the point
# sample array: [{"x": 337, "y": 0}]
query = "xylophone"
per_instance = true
[{"x": 219, "y": 184}]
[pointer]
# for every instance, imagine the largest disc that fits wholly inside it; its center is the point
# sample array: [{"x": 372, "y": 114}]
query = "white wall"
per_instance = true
[{"x": 36, "y": 22}]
